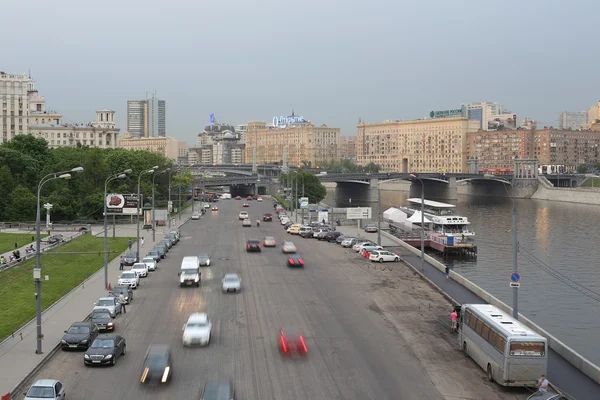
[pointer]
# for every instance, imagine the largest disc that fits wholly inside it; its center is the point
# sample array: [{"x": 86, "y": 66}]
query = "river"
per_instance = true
[{"x": 558, "y": 261}]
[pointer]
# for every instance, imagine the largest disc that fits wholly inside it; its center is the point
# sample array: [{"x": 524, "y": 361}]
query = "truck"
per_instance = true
[{"x": 226, "y": 196}]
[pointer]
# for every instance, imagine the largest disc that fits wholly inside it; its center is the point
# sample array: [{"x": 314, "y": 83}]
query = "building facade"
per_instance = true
[
  {"x": 304, "y": 143},
  {"x": 147, "y": 118},
  {"x": 218, "y": 144},
  {"x": 490, "y": 115},
  {"x": 14, "y": 91},
  {"x": 572, "y": 120},
  {"x": 427, "y": 145},
  {"x": 348, "y": 147},
  {"x": 168, "y": 146}
]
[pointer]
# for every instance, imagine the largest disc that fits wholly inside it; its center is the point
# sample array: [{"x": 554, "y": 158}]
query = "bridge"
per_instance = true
[
  {"x": 366, "y": 178},
  {"x": 247, "y": 169}
]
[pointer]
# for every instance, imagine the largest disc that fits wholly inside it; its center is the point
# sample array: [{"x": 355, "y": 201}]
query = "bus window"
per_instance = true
[
  {"x": 500, "y": 343},
  {"x": 537, "y": 349},
  {"x": 479, "y": 326},
  {"x": 493, "y": 337},
  {"x": 485, "y": 331}
]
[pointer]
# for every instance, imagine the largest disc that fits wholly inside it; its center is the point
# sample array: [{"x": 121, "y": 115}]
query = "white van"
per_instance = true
[{"x": 189, "y": 275}]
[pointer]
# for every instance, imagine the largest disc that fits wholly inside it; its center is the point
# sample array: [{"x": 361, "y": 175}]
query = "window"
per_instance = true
[
  {"x": 536, "y": 349},
  {"x": 500, "y": 344}
]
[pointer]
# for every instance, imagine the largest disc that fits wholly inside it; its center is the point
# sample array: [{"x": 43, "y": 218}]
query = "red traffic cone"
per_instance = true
[{"x": 109, "y": 286}]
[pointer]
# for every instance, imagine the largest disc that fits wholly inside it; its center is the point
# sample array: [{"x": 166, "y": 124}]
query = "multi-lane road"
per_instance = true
[{"x": 354, "y": 352}]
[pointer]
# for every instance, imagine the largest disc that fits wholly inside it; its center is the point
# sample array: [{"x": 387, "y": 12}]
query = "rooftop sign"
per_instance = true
[
  {"x": 289, "y": 120},
  {"x": 446, "y": 113}
]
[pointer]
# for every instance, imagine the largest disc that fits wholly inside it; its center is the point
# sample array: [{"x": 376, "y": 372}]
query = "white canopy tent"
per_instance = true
[
  {"x": 416, "y": 218},
  {"x": 394, "y": 215}
]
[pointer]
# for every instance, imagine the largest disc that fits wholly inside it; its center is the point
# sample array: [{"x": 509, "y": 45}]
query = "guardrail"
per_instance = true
[{"x": 30, "y": 226}]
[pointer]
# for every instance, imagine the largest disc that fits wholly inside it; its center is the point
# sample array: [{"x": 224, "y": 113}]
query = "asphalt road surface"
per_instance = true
[{"x": 351, "y": 353}]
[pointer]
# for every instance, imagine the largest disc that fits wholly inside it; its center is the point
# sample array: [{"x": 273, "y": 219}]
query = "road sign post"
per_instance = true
[
  {"x": 515, "y": 277},
  {"x": 358, "y": 213}
]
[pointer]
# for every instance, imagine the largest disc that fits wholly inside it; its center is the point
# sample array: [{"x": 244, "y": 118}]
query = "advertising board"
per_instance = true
[
  {"x": 358, "y": 213},
  {"x": 122, "y": 204},
  {"x": 501, "y": 122}
]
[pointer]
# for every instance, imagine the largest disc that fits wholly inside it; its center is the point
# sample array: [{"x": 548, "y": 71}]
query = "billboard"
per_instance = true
[
  {"x": 446, "y": 113},
  {"x": 122, "y": 204},
  {"x": 502, "y": 122},
  {"x": 358, "y": 213}
]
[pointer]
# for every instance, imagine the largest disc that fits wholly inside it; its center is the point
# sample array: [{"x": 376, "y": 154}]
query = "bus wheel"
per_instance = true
[{"x": 490, "y": 375}]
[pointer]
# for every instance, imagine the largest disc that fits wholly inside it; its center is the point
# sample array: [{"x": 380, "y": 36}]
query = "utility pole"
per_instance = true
[
  {"x": 515, "y": 268},
  {"x": 296, "y": 199},
  {"x": 302, "y": 196},
  {"x": 378, "y": 214}
]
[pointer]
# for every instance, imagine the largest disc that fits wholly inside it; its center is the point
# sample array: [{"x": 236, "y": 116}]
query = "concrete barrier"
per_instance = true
[{"x": 574, "y": 358}]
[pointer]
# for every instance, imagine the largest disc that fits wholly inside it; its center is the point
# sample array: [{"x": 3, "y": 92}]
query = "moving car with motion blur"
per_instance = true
[
  {"x": 47, "y": 389},
  {"x": 245, "y": 205},
  {"x": 204, "y": 260},
  {"x": 288, "y": 247},
  {"x": 253, "y": 245},
  {"x": 79, "y": 336},
  {"x": 238, "y": 197},
  {"x": 105, "y": 350},
  {"x": 196, "y": 216},
  {"x": 550, "y": 395},
  {"x": 243, "y": 215},
  {"x": 268, "y": 217},
  {"x": 231, "y": 283},
  {"x": 249, "y": 198},
  {"x": 247, "y": 222},
  {"x": 269, "y": 241},
  {"x": 197, "y": 330},
  {"x": 259, "y": 199},
  {"x": 290, "y": 344},
  {"x": 124, "y": 290},
  {"x": 218, "y": 389},
  {"x": 295, "y": 260},
  {"x": 158, "y": 365},
  {"x": 215, "y": 208},
  {"x": 189, "y": 274}
]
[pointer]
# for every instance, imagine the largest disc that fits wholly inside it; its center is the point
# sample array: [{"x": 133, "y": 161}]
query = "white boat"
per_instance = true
[{"x": 438, "y": 217}]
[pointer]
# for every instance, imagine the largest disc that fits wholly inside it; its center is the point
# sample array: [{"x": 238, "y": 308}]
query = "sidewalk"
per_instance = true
[{"x": 17, "y": 354}]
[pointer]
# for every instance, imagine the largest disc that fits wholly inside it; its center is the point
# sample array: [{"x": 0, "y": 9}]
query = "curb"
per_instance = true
[{"x": 431, "y": 283}]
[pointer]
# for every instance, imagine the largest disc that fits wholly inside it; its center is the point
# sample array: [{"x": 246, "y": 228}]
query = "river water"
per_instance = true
[{"x": 558, "y": 261}]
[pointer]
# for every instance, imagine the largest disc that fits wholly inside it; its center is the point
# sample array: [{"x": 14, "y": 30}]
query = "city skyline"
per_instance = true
[{"x": 519, "y": 68}]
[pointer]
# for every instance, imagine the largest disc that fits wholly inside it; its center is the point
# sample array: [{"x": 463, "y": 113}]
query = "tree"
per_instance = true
[
  {"x": 22, "y": 204},
  {"x": 184, "y": 181},
  {"x": 6, "y": 183},
  {"x": 582, "y": 168},
  {"x": 313, "y": 188}
]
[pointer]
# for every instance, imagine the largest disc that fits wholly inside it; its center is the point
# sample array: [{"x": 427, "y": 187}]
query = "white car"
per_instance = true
[
  {"x": 196, "y": 216},
  {"x": 141, "y": 269},
  {"x": 129, "y": 278},
  {"x": 247, "y": 222},
  {"x": 259, "y": 199},
  {"x": 383, "y": 256},
  {"x": 370, "y": 247},
  {"x": 285, "y": 221},
  {"x": 47, "y": 389},
  {"x": 288, "y": 247},
  {"x": 232, "y": 283},
  {"x": 357, "y": 246},
  {"x": 206, "y": 205},
  {"x": 243, "y": 215},
  {"x": 197, "y": 330},
  {"x": 150, "y": 263}
]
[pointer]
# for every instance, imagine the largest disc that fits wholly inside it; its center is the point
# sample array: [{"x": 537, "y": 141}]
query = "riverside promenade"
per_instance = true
[{"x": 17, "y": 353}]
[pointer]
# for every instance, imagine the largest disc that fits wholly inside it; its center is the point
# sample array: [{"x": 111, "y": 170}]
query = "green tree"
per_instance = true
[
  {"x": 22, "y": 204},
  {"x": 582, "y": 168},
  {"x": 6, "y": 183},
  {"x": 313, "y": 188}
]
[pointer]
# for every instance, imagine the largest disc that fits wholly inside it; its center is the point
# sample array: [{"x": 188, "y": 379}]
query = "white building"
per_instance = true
[
  {"x": 572, "y": 120},
  {"x": 147, "y": 118},
  {"x": 14, "y": 90},
  {"x": 490, "y": 115},
  {"x": 241, "y": 131}
]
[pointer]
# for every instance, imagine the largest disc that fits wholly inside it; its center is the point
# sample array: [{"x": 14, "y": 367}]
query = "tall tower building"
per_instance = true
[
  {"x": 14, "y": 90},
  {"x": 146, "y": 118},
  {"x": 572, "y": 120}
]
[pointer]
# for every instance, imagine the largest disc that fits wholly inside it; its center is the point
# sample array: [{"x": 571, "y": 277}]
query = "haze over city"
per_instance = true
[{"x": 245, "y": 61}]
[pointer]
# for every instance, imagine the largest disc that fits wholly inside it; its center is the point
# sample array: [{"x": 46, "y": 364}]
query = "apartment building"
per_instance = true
[
  {"x": 348, "y": 147},
  {"x": 426, "y": 145},
  {"x": 14, "y": 91},
  {"x": 304, "y": 143},
  {"x": 572, "y": 120},
  {"x": 168, "y": 146},
  {"x": 147, "y": 118}
]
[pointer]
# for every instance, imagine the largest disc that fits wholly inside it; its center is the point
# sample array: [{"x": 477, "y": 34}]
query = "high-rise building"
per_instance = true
[
  {"x": 146, "y": 118},
  {"x": 572, "y": 120},
  {"x": 348, "y": 147},
  {"x": 14, "y": 90},
  {"x": 491, "y": 116}
]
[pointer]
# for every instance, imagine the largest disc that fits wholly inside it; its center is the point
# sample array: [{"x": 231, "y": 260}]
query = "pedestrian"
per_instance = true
[
  {"x": 122, "y": 301},
  {"x": 18, "y": 255},
  {"x": 33, "y": 238},
  {"x": 543, "y": 384},
  {"x": 447, "y": 272},
  {"x": 142, "y": 242},
  {"x": 323, "y": 221},
  {"x": 122, "y": 263},
  {"x": 16, "y": 245},
  {"x": 454, "y": 320},
  {"x": 130, "y": 243},
  {"x": 2, "y": 260}
]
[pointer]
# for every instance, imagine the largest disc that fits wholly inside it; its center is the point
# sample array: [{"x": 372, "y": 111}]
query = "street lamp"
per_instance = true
[
  {"x": 122, "y": 175},
  {"x": 149, "y": 171},
  {"x": 414, "y": 176},
  {"x": 153, "y": 216},
  {"x": 515, "y": 247},
  {"x": 37, "y": 272}
]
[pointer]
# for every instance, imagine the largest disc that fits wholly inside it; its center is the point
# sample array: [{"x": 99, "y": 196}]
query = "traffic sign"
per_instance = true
[
  {"x": 515, "y": 284},
  {"x": 515, "y": 277}
]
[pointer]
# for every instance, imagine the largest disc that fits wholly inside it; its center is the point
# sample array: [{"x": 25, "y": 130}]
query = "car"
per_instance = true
[
  {"x": 103, "y": 320},
  {"x": 295, "y": 260},
  {"x": 141, "y": 269},
  {"x": 247, "y": 222},
  {"x": 122, "y": 290},
  {"x": 243, "y": 215},
  {"x": 129, "y": 278},
  {"x": 79, "y": 336},
  {"x": 306, "y": 232},
  {"x": 218, "y": 389},
  {"x": 288, "y": 247},
  {"x": 253, "y": 245},
  {"x": 197, "y": 330},
  {"x": 249, "y": 198},
  {"x": 162, "y": 250},
  {"x": 54, "y": 239},
  {"x": 292, "y": 344},
  {"x": 130, "y": 258},
  {"x": 215, "y": 208},
  {"x": 109, "y": 303},
  {"x": 189, "y": 277},
  {"x": 238, "y": 197},
  {"x": 174, "y": 236},
  {"x": 232, "y": 283},
  {"x": 259, "y": 199},
  {"x": 204, "y": 260},
  {"x": 47, "y": 389},
  {"x": 196, "y": 216},
  {"x": 106, "y": 349},
  {"x": 294, "y": 229},
  {"x": 383, "y": 256},
  {"x": 167, "y": 242},
  {"x": 268, "y": 217},
  {"x": 321, "y": 233},
  {"x": 206, "y": 205},
  {"x": 157, "y": 364},
  {"x": 357, "y": 246},
  {"x": 154, "y": 254},
  {"x": 285, "y": 221},
  {"x": 369, "y": 247},
  {"x": 245, "y": 205},
  {"x": 269, "y": 241},
  {"x": 331, "y": 236},
  {"x": 340, "y": 239},
  {"x": 371, "y": 228},
  {"x": 549, "y": 396},
  {"x": 150, "y": 263}
]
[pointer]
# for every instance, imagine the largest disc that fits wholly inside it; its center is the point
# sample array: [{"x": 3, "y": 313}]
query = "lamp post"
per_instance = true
[
  {"x": 414, "y": 176},
  {"x": 153, "y": 213},
  {"x": 296, "y": 197},
  {"x": 109, "y": 179},
  {"x": 515, "y": 248},
  {"x": 37, "y": 272},
  {"x": 378, "y": 214},
  {"x": 302, "y": 221},
  {"x": 149, "y": 171}
]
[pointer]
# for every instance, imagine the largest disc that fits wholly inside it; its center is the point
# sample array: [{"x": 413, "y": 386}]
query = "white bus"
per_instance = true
[{"x": 510, "y": 353}]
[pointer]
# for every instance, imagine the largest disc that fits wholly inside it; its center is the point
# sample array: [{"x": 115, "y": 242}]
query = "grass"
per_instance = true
[
  {"x": 65, "y": 271},
  {"x": 7, "y": 241},
  {"x": 591, "y": 182}
]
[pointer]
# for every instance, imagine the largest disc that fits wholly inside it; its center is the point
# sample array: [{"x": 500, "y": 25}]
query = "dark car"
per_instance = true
[
  {"x": 340, "y": 239},
  {"x": 157, "y": 365},
  {"x": 295, "y": 260},
  {"x": 268, "y": 217},
  {"x": 253, "y": 245},
  {"x": 79, "y": 336},
  {"x": 332, "y": 236},
  {"x": 173, "y": 237},
  {"x": 204, "y": 260},
  {"x": 105, "y": 350},
  {"x": 124, "y": 290},
  {"x": 168, "y": 242},
  {"x": 102, "y": 319},
  {"x": 130, "y": 258},
  {"x": 218, "y": 389},
  {"x": 154, "y": 254},
  {"x": 162, "y": 251}
]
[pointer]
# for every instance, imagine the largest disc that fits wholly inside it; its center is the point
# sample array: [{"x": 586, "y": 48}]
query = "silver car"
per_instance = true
[
  {"x": 232, "y": 283},
  {"x": 204, "y": 260},
  {"x": 47, "y": 389},
  {"x": 109, "y": 303}
]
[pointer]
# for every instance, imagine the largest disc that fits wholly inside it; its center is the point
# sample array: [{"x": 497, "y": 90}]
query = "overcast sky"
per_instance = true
[{"x": 331, "y": 61}]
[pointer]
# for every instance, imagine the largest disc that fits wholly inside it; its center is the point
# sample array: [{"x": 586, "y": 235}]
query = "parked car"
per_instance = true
[
  {"x": 109, "y": 303},
  {"x": 124, "y": 290},
  {"x": 383, "y": 256},
  {"x": 130, "y": 258},
  {"x": 106, "y": 349},
  {"x": 80, "y": 335},
  {"x": 47, "y": 389},
  {"x": 371, "y": 228}
]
